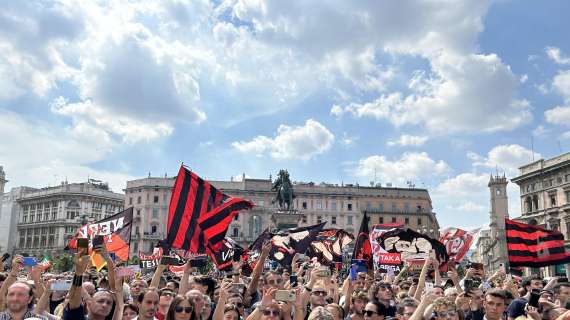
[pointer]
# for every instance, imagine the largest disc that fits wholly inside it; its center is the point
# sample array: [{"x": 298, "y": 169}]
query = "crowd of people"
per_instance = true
[{"x": 305, "y": 290}]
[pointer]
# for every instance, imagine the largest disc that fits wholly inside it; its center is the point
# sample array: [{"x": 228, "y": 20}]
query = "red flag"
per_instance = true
[
  {"x": 194, "y": 202},
  {"x": 534, "y": 246},
  {"x": 457, "y": 242}
]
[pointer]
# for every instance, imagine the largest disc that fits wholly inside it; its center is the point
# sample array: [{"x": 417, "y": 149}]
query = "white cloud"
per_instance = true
[
  {"x": 524, "y": 78},
  {"x": 337, "y": 111},
  {"x": 451, "y": 99},
  {"x": 40, "y": 155},
  {"x": 464, "y": 184},
  {"x": 557, "y": 56},
  {"x": 566, "y": 135},
  {"x": 558, "y": 115},
  {"x": 507, "y": 158},
  {"x": 561, "y": 83},
  {"x": 408, "y": 140},
  {"x": 301, "y": 142},
  {"x": 347, "y": 140},
  {"x": 411, "y": 165},
  {"x": 539, "y": 131}
]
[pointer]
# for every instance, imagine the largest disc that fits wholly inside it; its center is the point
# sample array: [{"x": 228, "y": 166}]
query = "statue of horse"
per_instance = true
[{"x": 284, "y": 189}]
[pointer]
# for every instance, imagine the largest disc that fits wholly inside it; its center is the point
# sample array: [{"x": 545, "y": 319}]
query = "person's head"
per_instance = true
[
  {"x": 360, "y": 282},
  {"x": 101, "y": 304},
  {"x": 562, "y": 292},
  {"x": 197, "y": 298},
  {"x": 404, "y": 286},
  {"x": 237, "y": 301},
  {"x": 181, "y": 308},
  {"x": 477, "y": 296},
  {"x": 375, "y": 310},
  {"x": 336, "y": 311},
  {"x": 231, "y": 312},
  {"x": 494, "y": 304},
  {"x": 533, "y": 282},
  {"x": 438, "y": 291},
  {"x": 383, "y": 291},
  {"x": 166, "y": 297},
  {"x": 148, "y": 303},
  {"x": 406, "y": 308},
  {"x": 359, "y": 300},
  {"x": 130, "y": 311},
  {"x": 172, "y": 286},
  {"x": 271, "y": 312},
  {"x": 273, "y": 279},
  {"x": 137, "y": 286},
  {"x": 318, "y": 296},
  {"x": 451, "y": 293},
  {"x": 207, "y": 307},
  {"x": 320, "y": 313},
  {"x": 19, "y": 297},
  {"x": 444, "y": 309},
  {"x": 553, "y": 313}
]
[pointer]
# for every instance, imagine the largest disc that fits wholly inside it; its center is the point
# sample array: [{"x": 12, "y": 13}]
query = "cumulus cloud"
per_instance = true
[
  {"x": 556, "y": 55},
  {"x": 408, "y": 140},
  {"x": 452, "y": 99},
  {"x": 560, "y": 115},
  {"x": 411, "y": 165},
  {"x": 41, "y": 155},
  {"x": 301, "y": 142},
  {"x": 507, "y": 158}
]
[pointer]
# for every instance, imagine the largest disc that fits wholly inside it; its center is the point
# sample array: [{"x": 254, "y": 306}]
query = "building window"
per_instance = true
[
  {"x": 319, "y": 219},
  {"x": 381, "y": 207},
  {"x": 333, "y": 220},
  {"x": 130, "y": 201},
  {"x": 304, "y": 219},
  {"x": 393, "y": 219},
  {"x": 235, "y": 232},
  {"x": 394, "y": 208},
  {"x": 381, "y": 220},
  {"x": 368, "y": 205},
  {"x": 155, "y": 199},
  {"x": 153, "y": 229},
  {"x": 155, "y": 213},
  {"x": 568, "y": 197},
  {"x": 553, "y": 200},
  {"x": 236, "y": 217},
  {"x": 139, "y": 200},
  {"x": 567, "y": 178},
  {"x": 333, "y": 206},
  {"x": 419, "y": 221},
  {"x": 319, "y": 205},
  {"x": 349, "y": 220},
  {"x": 406, "y": 207},
  {"x": 136, "y": 247},
  {"x": 407, "y": 221},
  {"x": 349, "y": 207},
  {"x": 305, "y": 205}
]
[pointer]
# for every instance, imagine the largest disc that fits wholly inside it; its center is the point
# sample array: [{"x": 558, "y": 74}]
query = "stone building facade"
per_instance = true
[
  {"x": 49, "y": 217},
  {"x": 341, "y": 206},
  {"x": 545, "y": 199}
]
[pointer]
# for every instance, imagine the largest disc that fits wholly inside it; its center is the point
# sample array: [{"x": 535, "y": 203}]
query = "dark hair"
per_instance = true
[
  {"x": 143, "y": 293},
  {"x": 176, "y": 284},
  {"x": 556, "y": 288},
  {"x": 406, "y": 302},
  {"x": 131, "y": 306},
  {"x": 380, "y": 307},
  {"x": 270, "y": 273},
  {"x": 170, "y": 314},
  {"x": 439, "y": 286},
  {"x": 527, "y": 281},
  {"x": 497, "y": 294}
]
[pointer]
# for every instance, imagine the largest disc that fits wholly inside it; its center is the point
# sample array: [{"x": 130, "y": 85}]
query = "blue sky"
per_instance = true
[{"x": 440, "y": 93}]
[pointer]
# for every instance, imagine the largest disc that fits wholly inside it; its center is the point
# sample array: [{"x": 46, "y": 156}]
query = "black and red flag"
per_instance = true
[
  {"x": 534, "y": 246},
  {"x": 199, "y": 214},
  {"x": 116, "y": 230},
  {"x": 328, "y": 244},
  {"x": 230, "y": 252},
  {"x": 362, "y": 247}
]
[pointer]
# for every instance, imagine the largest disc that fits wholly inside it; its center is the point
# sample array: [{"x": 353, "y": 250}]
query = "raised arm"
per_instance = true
[
  {"x": 184, "y": 281},
  {"x": 17, "y": 264},
  {"x": 82, "y": 261},
  {"x": 157, "y": 274},
  {"x": 256, "y": 274},
  {"x": 422, "y": 280},
  {"x": 120, "y": 299},
  {"x": 221, "y": 303}
]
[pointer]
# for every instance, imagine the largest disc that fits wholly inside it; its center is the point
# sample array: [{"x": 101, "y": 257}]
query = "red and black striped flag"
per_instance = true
[
  {"x": 534, "y": 246},
  {"x": 199, "y": 214}
]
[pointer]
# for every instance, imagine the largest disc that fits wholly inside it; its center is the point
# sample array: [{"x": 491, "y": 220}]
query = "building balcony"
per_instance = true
[
  {"x": 152, "y": 236},
  {"x": 135, "y": 236}
]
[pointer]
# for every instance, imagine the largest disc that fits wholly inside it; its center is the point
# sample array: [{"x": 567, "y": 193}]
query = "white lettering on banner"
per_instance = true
[
  {"x": 102, "y": 228},
  {"x": 392, "y": 268},
  {"x": 227, "y": 254}
]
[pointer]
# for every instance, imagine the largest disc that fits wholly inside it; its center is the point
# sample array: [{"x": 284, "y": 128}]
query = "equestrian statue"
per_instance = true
[{"x": 284, "y": 189}]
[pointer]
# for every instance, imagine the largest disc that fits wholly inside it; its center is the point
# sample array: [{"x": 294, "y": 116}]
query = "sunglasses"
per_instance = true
[
  {"x": 274, "y": 282},
  {"x": 238, "y": 305},
  {"x": 369, "y": 313},
  {"x": 185, "y": 309},
  {"x": 269, "y": 313},
  {"x": 320, "y": 293},
  {"x": 447, "y": 314}
]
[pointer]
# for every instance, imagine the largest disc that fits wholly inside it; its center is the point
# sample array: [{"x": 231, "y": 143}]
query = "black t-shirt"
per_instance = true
[{"x": 516, "y": 308}]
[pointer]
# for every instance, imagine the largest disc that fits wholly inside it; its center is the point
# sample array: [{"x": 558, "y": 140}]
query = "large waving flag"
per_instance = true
[
  {"x": 328, "y": 244},
  {"x": 534, "y": 246},
  {"x": 117, "y": 234},
  {"x": 199, "y": 214},
  {"x": 457, "y": 242}
]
